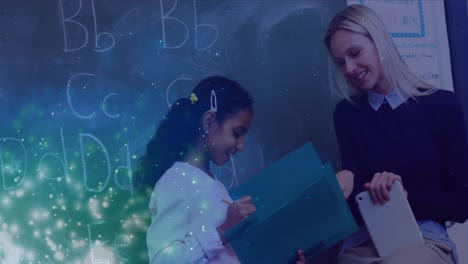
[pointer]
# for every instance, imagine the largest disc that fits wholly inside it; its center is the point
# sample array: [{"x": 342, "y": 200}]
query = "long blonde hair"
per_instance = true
[{"x": 363, "y": 20}]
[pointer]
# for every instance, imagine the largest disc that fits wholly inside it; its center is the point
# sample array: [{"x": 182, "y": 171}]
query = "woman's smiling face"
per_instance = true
[{"x": 358, "y": 59}]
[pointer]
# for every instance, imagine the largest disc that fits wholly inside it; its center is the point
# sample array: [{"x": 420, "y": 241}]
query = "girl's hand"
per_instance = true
[
  {"x": 346, "y": 180},
  {"x": 236, "y": 212},
  {"x": 300, "y": 257}
]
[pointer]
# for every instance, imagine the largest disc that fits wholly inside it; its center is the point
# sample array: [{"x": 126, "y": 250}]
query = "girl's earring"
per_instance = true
[{"x": 205, "y": 133}]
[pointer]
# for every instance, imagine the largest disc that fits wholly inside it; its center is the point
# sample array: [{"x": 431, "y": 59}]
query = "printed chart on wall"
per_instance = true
[{"x": 419, "y": 30}]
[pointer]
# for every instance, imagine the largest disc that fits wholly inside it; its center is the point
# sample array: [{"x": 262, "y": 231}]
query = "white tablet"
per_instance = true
[{"x": 391, "y": 226}]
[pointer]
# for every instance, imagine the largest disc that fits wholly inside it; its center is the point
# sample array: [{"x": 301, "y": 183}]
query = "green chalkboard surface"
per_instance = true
[{"x": 83, "y": 85}]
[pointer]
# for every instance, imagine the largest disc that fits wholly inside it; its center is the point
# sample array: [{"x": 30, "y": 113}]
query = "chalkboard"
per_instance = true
[{"x": 83, "y": 85}]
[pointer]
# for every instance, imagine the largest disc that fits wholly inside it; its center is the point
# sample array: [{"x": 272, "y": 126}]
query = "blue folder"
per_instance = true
[{"x": 299, "y": 205}]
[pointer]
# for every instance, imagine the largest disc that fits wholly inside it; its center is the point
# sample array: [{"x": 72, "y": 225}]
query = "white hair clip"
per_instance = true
[{"x": 213, "y": 102}]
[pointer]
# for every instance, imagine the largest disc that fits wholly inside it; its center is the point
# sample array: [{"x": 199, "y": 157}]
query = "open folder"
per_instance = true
[{"x": 300, "y": 205}]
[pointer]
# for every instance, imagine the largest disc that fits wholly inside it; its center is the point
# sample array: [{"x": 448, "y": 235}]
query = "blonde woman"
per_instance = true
[{"x": 391, "y": 126}]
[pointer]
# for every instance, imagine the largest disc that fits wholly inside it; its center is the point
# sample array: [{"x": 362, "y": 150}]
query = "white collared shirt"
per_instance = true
[
  {"x": 376, "y": 100},
  {"x": 187, "y": 206}
]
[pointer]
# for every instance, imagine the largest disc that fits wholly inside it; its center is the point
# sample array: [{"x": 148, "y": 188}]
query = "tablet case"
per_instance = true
[{"x": 391, "y": 226}]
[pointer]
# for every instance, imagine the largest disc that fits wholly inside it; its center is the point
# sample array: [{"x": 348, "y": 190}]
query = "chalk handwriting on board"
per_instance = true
[
  {"x": 92, "y": 244},
  {"x": 63, "y": 161},
  {"x": 170, "y": 86},
  {"x": 14, "y": 173},
  {"x": 165, "y": 17},
  {"x": 107, "y": 163},
  {"x": 69, "y": 96},
  {"x": 91, "y": 115},
  {"x": 127, "y": 176},
  {"x": 12, "y": 170},
  {"x": 120, "y": 242},
  {"x": 198, "y": 26},
  {"x": 104, "y": 106},
  {"x": 83, "y": 160},
  {"x": 70, "y": 20}
]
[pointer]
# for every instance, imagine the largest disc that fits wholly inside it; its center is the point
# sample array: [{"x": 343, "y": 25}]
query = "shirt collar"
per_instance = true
[{"x": 394, "y": 100}]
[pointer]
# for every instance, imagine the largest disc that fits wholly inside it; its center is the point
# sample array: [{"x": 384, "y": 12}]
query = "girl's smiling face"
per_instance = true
[{"x": 227, "y": 138}]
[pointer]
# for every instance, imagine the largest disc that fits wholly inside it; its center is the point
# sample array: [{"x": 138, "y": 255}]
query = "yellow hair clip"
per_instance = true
[{"x": 193, "y": 98}]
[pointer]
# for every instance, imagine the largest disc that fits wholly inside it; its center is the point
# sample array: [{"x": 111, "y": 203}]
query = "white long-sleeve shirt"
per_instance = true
[{"x": 187, "y": 206}]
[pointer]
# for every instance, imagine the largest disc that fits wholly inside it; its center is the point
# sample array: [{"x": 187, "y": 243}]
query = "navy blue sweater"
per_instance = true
[{"x": 423, "y": 141}]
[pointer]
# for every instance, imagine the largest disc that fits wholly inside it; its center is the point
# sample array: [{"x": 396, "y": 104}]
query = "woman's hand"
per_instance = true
[
  {"x": 380, "y": 185},
  {"x": 236, "y": 212},
  {"x": 346, "y": 180}
]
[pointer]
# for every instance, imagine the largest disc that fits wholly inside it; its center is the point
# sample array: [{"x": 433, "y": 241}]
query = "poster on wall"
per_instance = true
[{"x": 419, "y": 31}]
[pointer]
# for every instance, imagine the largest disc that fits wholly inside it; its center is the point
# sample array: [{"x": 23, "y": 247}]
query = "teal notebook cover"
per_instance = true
[
  {"x": 299, "y": 205},
  {"x": 271, "y": 188}
]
